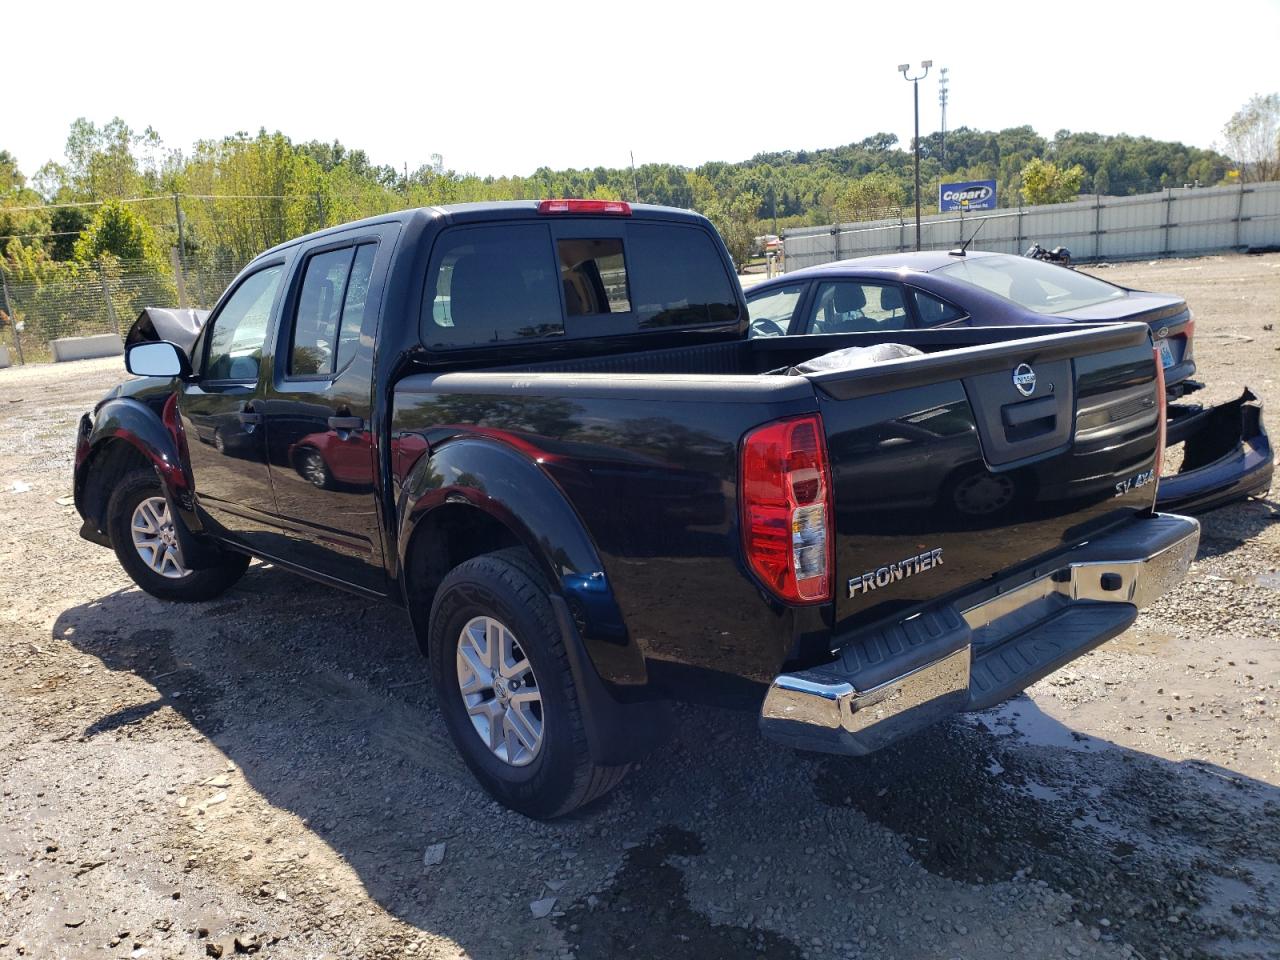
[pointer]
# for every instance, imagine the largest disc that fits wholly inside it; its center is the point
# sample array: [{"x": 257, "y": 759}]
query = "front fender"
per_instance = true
[
  {"x": 490, "y": 476},
  {"x": 124, "y": 419},
  {"x": 136, "y": 424}
]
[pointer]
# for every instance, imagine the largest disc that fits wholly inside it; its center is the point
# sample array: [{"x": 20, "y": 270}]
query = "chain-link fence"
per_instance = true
[{"x": 104, "y": 297}]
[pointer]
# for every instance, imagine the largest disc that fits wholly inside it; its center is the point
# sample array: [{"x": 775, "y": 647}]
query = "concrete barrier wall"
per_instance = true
[{"x": 86, "y": 348}]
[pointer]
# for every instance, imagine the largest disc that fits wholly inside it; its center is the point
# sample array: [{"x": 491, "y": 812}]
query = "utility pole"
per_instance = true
[
  {"x": 635, "y": 183},
  {"x": 178, "y": 252},
  {"x": 177, "y": 212},
  {"x": 915, "y": 85},
  {"x": 942, "y": 102}
]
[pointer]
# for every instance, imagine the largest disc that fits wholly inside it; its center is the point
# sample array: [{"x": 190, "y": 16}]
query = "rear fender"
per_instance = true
[
  {"x": 502, "y": 482},
  {"x": 487, "y": 475}
]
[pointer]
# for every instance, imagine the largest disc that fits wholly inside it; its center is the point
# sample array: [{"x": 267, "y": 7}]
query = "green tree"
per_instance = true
[
  {"x": 735, "y": 219},
  {"x": 118, "y": 231},
  {"x": 1253, "y": 138},
  {"x": 1043, "y": 181},
  {"x": 873, "y": 197},
  {"x": 66, "y": 224}
]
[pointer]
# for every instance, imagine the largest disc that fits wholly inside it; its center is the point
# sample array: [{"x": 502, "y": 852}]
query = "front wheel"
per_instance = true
[
  {"x": 146, "y": 544},
  {"x": 503, "y": 682}
]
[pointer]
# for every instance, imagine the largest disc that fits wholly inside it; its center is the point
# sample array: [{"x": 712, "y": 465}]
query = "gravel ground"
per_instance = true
[{"x": 271, "y": 766}]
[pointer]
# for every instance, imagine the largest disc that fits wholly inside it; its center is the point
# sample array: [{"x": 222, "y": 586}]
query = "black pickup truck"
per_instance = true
[{"x": 542, "y": 428}]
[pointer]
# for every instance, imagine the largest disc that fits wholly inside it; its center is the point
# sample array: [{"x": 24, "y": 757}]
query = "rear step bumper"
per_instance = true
[{"x": 981, "y": 649}]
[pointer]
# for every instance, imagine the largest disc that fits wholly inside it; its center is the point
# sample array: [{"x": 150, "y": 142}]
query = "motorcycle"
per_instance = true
[{"x": 1058, "y": 255}]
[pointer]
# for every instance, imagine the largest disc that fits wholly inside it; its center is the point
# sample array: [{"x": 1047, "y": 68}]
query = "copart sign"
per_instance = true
[{"x": 974, "y": 195}]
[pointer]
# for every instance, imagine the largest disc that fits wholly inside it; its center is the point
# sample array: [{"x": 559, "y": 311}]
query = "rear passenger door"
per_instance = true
[
  {"x": 856, "y": 306},
  {"x": 319, "y": 411}
]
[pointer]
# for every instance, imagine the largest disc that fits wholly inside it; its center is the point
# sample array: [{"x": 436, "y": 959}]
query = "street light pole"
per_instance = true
[{"x": 915, "y": 84}]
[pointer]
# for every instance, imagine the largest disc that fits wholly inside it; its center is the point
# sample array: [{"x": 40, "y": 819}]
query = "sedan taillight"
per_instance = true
[{"x": 786, "y": 508}]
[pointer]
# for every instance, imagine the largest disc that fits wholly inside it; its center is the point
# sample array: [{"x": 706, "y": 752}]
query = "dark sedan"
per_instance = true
[
  {"x": 1226, "y": 453},
  {"x": 977, "y": 289}
]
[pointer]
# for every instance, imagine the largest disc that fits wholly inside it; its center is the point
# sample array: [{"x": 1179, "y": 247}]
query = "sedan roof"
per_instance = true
[{"x": 923, "y": 261}]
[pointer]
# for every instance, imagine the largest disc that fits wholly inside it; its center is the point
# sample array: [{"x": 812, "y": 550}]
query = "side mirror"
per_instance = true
[{"x": 158, "y": 359}]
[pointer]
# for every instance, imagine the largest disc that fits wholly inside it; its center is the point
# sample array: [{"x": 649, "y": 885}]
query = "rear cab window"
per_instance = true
[{"x": 572, "y": 278}]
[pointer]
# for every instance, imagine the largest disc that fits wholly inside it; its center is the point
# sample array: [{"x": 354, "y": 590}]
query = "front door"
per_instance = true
[
  {"x": 319, "y": 414},
  {"x": 222, "y": 412}
]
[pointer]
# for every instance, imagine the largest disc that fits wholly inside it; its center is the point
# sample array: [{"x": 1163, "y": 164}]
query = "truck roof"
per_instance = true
[{"x": 487, "y": 210}]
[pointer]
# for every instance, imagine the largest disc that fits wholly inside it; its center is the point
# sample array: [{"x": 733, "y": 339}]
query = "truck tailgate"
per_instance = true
[{"x": 953, "y": 467}]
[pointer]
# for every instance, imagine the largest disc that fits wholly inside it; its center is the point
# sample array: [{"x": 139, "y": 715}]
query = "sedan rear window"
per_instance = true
[{"x": 1038, "y": 286}]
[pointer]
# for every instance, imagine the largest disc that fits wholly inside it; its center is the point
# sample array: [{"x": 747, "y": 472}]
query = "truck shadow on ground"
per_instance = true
[{"x": 321, "y": 702}]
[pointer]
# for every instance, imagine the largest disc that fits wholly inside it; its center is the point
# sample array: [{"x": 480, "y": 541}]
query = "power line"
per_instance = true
[{"x": 187, "y": 196}]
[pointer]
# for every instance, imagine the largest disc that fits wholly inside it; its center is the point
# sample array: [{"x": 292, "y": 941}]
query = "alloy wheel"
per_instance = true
[
  {"x": 155, "y": 539},
  {"x": 499, "y": 691}
]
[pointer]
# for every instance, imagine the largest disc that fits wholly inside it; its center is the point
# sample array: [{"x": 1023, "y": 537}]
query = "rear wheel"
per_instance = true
[
  {"x": 503, "y": 681},
  {"x": 146, "y": 544}
]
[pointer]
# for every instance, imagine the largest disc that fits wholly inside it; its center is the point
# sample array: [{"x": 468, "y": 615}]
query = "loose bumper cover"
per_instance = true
[{"x": 1227, "y": 455}]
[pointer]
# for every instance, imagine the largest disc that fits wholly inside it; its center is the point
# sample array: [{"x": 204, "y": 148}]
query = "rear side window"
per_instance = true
[
  {"x": 492, "y": 284},
  {"x": 849, "y": 306},
  {"x": 678, "y": 277},
  {"x": 326, "y": 328},
  {"x": 933, "y": 311}
]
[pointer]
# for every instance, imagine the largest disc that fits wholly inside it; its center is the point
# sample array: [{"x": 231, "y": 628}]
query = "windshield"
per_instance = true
[{"x": 1042, "y": 287}]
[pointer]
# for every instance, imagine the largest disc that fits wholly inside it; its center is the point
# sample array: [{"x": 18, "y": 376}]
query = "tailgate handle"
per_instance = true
[{"x": 1018, "y": 414}]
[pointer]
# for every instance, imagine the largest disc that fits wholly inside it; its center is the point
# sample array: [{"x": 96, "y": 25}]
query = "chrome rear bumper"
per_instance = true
[{"x": 1014, "y": 634}]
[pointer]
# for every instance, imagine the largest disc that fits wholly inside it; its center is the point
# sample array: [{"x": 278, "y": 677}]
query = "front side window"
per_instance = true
[
  {"x": 240, "y": 329},
  {"x": 1042, "y": 287},
  {"x": 678, "y": 277},
  {"x": 850, "y": 306},
  {"x": 771, "y": 312},
  {"x": 492, "y": 284},
  {"x": 326, "y": 328},
  {"x": 933, "y": 311},
  {"x": 594, "y": 277}
]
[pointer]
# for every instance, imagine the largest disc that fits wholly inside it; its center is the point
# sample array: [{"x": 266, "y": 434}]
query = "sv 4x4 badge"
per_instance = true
[{"x": 893, "y": 572}]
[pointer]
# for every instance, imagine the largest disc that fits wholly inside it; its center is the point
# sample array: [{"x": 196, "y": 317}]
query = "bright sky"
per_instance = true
[{"x": 506, "y": 88}]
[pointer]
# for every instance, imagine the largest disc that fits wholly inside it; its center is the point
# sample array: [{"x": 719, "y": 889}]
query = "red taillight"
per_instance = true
[
  {"x": 616, "y": 207},
  {"x": 1188, "y": 337},
  {"x": 1162, "y": 412},
  {"x": 786, "y": 508}
]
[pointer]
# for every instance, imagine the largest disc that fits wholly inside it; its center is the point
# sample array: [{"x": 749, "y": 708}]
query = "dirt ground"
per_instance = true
[{"x": 271, "y": 766}]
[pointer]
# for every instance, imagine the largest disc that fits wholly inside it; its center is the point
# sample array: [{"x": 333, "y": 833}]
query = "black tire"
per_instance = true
[
  {"x": 561, "y": 776},
  {"x": 196, "y": 584}
]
